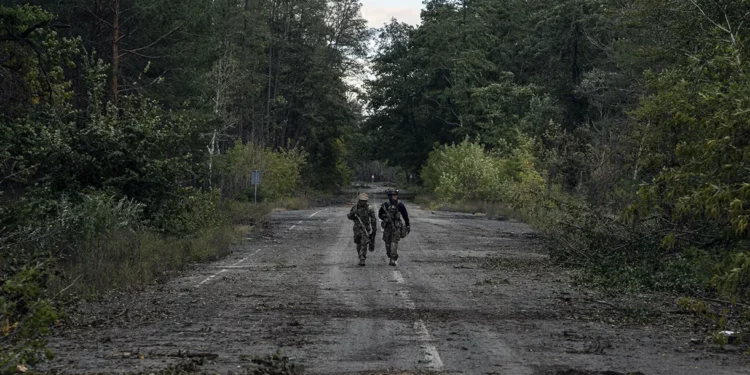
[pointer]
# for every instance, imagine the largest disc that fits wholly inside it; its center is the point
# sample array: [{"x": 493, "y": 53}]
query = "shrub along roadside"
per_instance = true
[
  {"x": 125, "y": 257},
  {"x": 613, "y": 251},
  {"x": 101, "y": 245},
  {"x": 281, "y": 172},
  {"x": 627, "y": 251},
  {"x": 100, "y": 191}
]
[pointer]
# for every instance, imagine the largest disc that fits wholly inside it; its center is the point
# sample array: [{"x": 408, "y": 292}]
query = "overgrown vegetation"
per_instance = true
[
  {"x": 466, "y": 172},
  {"x": 281, "y": 178},
  {"x": 129, "y": 130},
  {"x": 127, "y": 142},
  {"x": 618, "y": 128}
]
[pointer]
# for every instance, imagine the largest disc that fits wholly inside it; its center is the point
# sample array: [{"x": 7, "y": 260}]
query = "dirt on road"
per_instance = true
[{"x": 470, "y": 296}]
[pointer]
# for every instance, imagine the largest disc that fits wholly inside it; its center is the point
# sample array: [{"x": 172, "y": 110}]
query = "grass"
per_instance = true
[
  {"x": 129, "y": 259},
  {"x": 294, "y": 203}
]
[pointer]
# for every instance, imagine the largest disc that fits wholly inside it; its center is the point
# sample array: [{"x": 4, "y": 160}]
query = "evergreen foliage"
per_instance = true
[
  {"x": 626, "y": 120},
  {"x": 124, "y": 121}
]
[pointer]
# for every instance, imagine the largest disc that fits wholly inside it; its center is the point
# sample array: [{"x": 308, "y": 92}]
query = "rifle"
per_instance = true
[
  {"x": 388, "y": 215},
  {"x": 401, "y": 232},
  {"x": 364, "y": 228}
]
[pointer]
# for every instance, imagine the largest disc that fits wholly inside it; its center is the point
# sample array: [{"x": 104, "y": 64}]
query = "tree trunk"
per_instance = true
[
  {"x": 266, "y": 132},
  {"x": 115, "y": 48}
]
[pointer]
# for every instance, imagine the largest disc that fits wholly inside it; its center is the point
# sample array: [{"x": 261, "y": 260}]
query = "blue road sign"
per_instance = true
[{"x": 255, "y": 178}]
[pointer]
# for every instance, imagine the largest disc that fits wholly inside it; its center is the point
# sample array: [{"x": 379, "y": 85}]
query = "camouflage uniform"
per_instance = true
[
  {"x": 366, "y": 214},
  {"x": 395, "y": 222}
]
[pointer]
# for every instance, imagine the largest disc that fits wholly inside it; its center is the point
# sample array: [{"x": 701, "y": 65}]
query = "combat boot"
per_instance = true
[
  {"x": 362, "y": 262},
  {"x": 393, "y": 262},
  {"x": 394, "y": 253}
]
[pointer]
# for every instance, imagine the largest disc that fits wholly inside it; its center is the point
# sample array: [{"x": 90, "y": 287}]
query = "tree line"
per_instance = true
[
  {"x": 129, "y": 128},
  {"x": 620, "y": 126}
]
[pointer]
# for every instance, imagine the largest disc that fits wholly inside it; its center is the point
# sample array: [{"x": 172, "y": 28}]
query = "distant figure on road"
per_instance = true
[
  {"x": 365, "y": 227},
  {"x": 395, "y": 222}
]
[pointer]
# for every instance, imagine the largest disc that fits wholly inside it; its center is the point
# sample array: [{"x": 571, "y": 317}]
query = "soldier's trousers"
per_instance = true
[
  {"x": 391, "y": 236},
  {"x": 360, "y": 240}
]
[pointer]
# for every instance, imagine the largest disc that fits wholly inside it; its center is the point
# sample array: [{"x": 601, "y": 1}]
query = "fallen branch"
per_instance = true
[{"x": 67, "y": 287}]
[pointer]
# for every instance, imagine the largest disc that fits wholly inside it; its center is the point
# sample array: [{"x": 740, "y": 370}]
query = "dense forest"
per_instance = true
[
  {"x": 129, "y": 129},
  {"x": 620, "y": 127}
]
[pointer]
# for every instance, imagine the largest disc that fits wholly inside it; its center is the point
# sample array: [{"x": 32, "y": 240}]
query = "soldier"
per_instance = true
[
  {"x": 365, "y": 227},
  {"x": 391, "y": 214}
]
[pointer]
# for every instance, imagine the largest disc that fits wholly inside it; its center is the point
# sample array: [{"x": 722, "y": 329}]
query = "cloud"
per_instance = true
[{"x": 377, "y": 16}]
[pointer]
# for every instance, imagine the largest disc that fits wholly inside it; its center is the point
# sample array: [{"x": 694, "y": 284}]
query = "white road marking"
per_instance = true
[
  {"x": 210, "y": 278},
  {"x": 404, "y": 296},
  {"x": 245, "y": 258},
  {"x": 225, "y": 269},
  {"x": 300, "y": 222},
  {"x": 429, "y": 350},
  {"x": 398, "y": 277}
]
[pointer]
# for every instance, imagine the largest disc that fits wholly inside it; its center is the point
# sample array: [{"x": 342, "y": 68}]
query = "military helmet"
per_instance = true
[
  {"x": 391, "y": 192},
  {"x": 363, "y": 197}
]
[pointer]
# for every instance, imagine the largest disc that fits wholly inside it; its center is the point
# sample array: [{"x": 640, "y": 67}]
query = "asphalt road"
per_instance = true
[{"x": 470, "y": 296}]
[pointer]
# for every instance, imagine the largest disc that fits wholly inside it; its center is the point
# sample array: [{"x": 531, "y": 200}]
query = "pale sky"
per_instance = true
[{"x": 379, "y": 12}]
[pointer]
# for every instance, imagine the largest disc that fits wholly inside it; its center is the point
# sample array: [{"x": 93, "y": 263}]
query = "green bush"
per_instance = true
[
  {"x": 26, "y": 309},
  {"x": 466, "y": 172},
  {"x": 26, "y": 315},
  {"x": 697, "y": 125},
  {"x": 189, "y": 212},
  {"x": 102, "y": 191},
  {"x": 616, "y": 251},
  {"x": 281, "y": 172},
  {"x": 107, "y": 245}
]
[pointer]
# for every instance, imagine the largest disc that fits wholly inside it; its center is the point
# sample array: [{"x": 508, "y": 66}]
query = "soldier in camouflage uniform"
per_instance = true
[
  {"x": 365, "y": 227},
  {"x": 395, "y": 222}
]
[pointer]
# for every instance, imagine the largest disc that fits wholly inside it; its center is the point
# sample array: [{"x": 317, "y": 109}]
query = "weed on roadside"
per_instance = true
[
  {"x": 117, "y": 256},
  {"x": 128, "y": 260},
  {"x": 294, "y": 203},
  {"x": 274, "y": 364}
]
